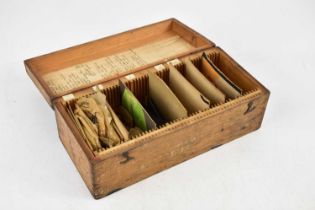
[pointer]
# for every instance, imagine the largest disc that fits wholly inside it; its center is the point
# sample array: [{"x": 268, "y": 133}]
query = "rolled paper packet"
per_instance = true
[
  {"x": 195, "y": 77},
  {"x": 189, "y": 96},
  {"x": 77, "y": 123},
  {"x": 119, "y": 126},
  {"x": 79, "y": 126},
  {"x": 219, "y": 78},
  {"x": 141, "y": 118},
  {"x": 91, "y": 137},
  {"x": 112, "y": 138},
  {"x": 111, "y": 118},
  {"x": 79, "y": 112},
  {"x": 165, "y": 100},
  {"x": 88, "y": 128},
  {"x": 71, "y": 113},
  {"x": 93, "y": 111}
]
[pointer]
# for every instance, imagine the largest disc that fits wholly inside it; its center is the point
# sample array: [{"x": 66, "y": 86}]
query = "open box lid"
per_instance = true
[{"x": 69, "y": 70}]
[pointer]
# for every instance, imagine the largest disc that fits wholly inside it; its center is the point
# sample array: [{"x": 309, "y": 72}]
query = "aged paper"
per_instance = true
[
  {"x": 219, "y": 78},
  {"x": 188, "y": 95},
  {"x": 92, "y": 71},
  {"x": 166, "y": 101},
  {"x": 201, "y": 83}
]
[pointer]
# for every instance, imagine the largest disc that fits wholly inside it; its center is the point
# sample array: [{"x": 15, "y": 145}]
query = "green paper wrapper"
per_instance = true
[{"x": 140, "y": 116}]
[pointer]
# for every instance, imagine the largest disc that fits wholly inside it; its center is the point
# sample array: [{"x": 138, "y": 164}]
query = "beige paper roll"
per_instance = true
[
  {"x": 190, "y": 97},
  {"x": 219, "y": 79},
  {"x": 90, "y": 130},
  {"x": 111, "y": 118},
  {"x": 165, "y": 100},
  {"x": 195, "y": 77}
]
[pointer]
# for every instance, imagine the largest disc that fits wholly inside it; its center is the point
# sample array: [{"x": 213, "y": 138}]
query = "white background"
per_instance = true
[{"x": 272, "y": 168}]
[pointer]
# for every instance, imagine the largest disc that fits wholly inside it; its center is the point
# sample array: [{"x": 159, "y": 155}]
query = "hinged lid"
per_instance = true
[{"x": 67, "y": 71}]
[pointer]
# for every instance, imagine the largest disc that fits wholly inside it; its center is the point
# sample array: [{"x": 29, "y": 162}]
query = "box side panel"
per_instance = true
[
  {"x": 75, "y": 151},
  {"x": 164, "y": 151}
]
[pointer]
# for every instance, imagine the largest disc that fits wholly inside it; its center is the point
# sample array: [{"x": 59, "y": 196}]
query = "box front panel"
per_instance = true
[{"x": 162, "y": 151}]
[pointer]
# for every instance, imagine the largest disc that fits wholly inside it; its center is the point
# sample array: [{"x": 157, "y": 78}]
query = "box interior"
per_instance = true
[{"x": 139, "y": 85}]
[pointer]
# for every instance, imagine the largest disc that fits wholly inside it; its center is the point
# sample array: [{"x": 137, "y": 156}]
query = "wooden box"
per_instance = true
[{"x": 74, "y": 72}]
